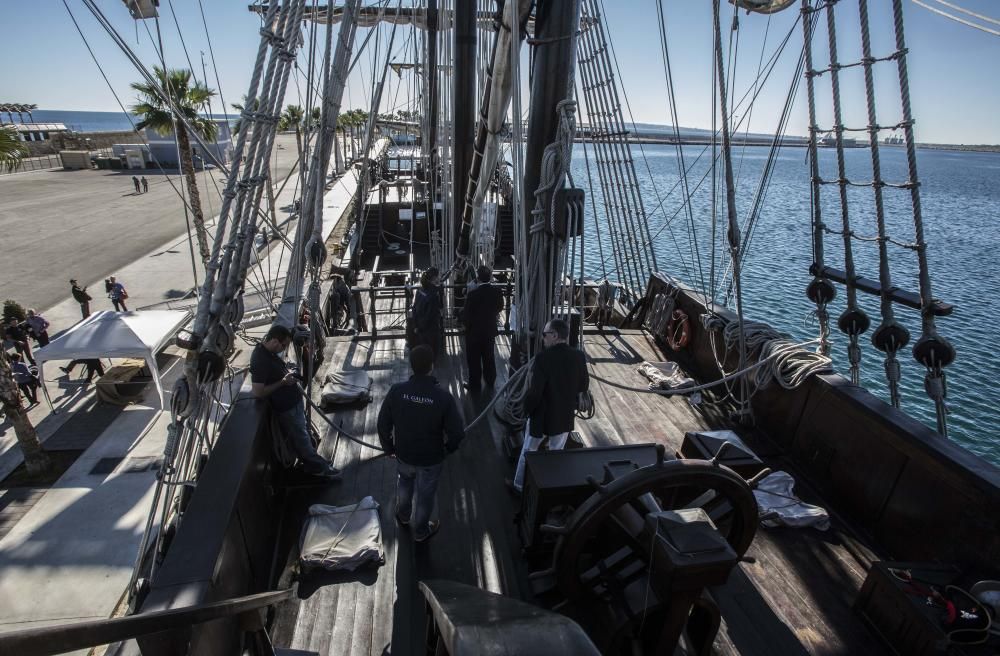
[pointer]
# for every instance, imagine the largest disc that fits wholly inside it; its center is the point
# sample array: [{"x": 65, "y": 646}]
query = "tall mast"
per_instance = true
[
  {"x": 464, "y": 103},
  {"x": 556, "y": 24}
]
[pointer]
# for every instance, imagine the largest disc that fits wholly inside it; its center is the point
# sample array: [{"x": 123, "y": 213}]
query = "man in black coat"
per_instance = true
[
  {"x": 558, "y": 376},
  {"x": 427, "y": 311},
  {"x": 81, "y": 296},
  {"x": 482, "y": 305},
  {"x": 413, "y": 422}
]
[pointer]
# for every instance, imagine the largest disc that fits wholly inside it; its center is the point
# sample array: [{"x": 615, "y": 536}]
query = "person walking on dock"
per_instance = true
[
  {"x": 419, "y": 425},
  {"x": 17, "y": 333},
  {"x": 93, "y": 366},
  {"x": 145, "y": 184},
  {"x": 135, "y": 183},
  {"x": 272, "y": 381},
  {"x": 38, "y": 326},
  {"x": 482, "y": 305},
  {"x": 558, "y": 376},
  {"x": 81, "y": 296},
  {"x": 117, "y": 294}
]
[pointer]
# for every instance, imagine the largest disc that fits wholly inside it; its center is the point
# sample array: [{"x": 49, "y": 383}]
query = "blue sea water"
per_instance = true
[
  {"x": 960, "y": 198},
  {"x": 85, "y": 121}
]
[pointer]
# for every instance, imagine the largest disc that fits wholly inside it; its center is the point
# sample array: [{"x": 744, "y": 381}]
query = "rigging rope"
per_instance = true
[{"x": 734, "y": 228}]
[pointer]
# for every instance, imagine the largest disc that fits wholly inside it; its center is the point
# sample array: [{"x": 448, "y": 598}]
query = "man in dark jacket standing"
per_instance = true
[
  {"x": 558, "y": 376},
  {"x": 482, "y": 305},
  {"x": 81, "y": 296},
  {"x": 427, "y": 311},
  {"x": 413, "y": 421}
]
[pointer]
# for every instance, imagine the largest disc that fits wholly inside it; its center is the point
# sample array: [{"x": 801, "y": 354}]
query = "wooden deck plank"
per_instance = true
[{"x": 795, "y": 598}]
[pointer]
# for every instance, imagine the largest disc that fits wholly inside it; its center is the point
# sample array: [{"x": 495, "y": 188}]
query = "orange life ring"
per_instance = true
[{"x": 678, "y": 330}]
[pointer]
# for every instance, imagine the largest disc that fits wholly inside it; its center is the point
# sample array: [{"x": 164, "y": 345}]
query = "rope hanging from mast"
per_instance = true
[{"x": 733, "y": 233}]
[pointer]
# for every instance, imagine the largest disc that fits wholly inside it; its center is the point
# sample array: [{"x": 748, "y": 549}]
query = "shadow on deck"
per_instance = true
[{"x": 795, "y": 599}]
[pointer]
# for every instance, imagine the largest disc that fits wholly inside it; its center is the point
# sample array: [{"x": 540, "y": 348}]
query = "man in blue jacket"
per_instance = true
[{"x": 413, "y": 422}]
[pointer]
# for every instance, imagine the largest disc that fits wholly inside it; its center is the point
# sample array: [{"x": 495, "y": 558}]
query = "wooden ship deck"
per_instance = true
[{"x": 795, "y": 598}]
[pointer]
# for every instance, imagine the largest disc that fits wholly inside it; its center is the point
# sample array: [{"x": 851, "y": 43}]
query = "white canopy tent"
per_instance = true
[{"x": 109, "y": 334}]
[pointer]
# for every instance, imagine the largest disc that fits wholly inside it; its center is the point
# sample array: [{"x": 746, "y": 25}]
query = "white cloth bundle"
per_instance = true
[
  {"x": 778, "y": 505},
  {"x": 346, "y": 387},
  {"x": 342, "y": 537},
  {"x": 665, "y": 375}
]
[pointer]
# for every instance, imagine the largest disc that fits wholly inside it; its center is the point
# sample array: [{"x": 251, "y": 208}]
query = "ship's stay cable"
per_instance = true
[
  {"x": 215, "y": 69},
  {"x": 593, "y": 211},
  {"x": 131, "y": 121},
  {"x": 599, "y": 67},
  {"x": 608, "y": 45},
  {"x": 679, "y": 149},
  {"x": 191, "y": 193},
  {"x": 958, "y": 19},
  {"x": 733, "y": 232},
  {"x": 180, "y": 35},
  {"x": 191, "y": 401},
  {"x": 746, "y": 132},
  {"x": 149, "y": 77},
  {"x": 614, "y": 163},
  {"x": 752, "y": 93},
  {"x": 751, "y": 221}
]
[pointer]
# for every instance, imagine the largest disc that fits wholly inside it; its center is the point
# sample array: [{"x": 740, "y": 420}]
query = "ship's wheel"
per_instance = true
[{"x": 602, "y": 562}]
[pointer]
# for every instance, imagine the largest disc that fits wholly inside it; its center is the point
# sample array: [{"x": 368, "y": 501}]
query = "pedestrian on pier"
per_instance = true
[
  {"x": 81, "y": 296},
  {"x": 419, "y": 425},
  {"x": 117, "y": 294},
  {"x": 17, "y": 333},
  {"x": 482, "y": 306},
  {"x": 145, "y": 184},
  {"x": 135, "y": 183},
  {"x": 93, "y": 366},
  {"x": 38, "y": 327}
]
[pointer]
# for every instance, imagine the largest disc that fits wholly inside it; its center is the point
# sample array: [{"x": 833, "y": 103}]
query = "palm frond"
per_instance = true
[{"x": 12, "y": 151}]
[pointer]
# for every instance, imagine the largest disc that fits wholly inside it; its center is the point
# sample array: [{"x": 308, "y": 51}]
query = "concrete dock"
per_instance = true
[{"x": 67, "y": 554}]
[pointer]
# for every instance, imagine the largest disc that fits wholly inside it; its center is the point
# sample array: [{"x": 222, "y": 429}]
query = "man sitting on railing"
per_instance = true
[{"x": 272, "y": 380}]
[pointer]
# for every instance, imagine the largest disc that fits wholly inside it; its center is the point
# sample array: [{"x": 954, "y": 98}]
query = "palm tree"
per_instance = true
[
  {"x": 293, "y": 118},
  {"x": 239, "y": 107},
  {"x": 157, "y": 113},
  {"x": 12, "y": 150},
  {"x": 35, "y": 458}
]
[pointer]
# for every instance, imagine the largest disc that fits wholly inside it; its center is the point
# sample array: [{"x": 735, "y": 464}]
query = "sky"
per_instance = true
[{"x": 954, "y": 87}]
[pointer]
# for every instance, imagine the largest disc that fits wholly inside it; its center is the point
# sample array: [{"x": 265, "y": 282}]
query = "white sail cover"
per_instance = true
[
  {"x": 342, "y": 537},
  {"x": 109, "y": 334}
]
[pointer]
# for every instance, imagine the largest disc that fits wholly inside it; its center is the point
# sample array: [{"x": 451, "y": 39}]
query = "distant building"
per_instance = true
[
  {"x": 164, "y": 149},
  {"x": 831, "y": 142},
  {"x": 39, "y": 131}
]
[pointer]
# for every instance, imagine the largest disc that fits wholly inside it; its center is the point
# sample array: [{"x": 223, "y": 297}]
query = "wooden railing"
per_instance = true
[{"x": 81, "y": 635}]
